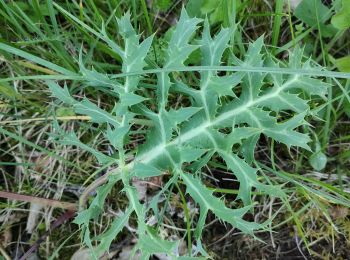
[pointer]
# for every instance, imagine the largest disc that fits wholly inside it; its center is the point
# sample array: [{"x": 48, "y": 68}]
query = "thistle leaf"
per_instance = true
[
  {"x": 107, "y": 238},
  {"x": 221, "y": 116},
  {"x": 97, "y": 114},
  {"x": 179, "y": 49},
  {"x": 72, "y": 139},
  {"x": 151, "y": 243},
  {"x": 203, "y": 196},
  {"x": 61, "y": 94}
]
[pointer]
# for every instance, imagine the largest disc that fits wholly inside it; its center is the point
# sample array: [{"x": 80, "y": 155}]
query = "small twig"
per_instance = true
[
  {"x": 97, "y": 183},
  {"x": 56, "y": 203},
  {"x": 91, "y": 188},
  {"x": 39, "y": 200}
]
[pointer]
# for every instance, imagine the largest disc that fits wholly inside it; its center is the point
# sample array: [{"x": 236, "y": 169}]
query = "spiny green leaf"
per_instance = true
[
  {"x": 145, "y": 170},
  {"x": 107, "y": 238},
  {"x": 61, "y": 93},
  {"x": 221, "y": 116},
  {"x": 212, "y": 49},
  {"x": 223, "y": 86},
  {"x": 247, "y": 177},
  {"x": 116, "y": 135},
  {"x": 151, "y": 243},
  {"x": 95, "y": 209},
  {"x": 182, "y": 114},
  {"x": 129, "y": 99},
  {"x": 203, "y": 196},
  {"x": 97, "y": 114},
  {"x": 72, "y": 139},
  {"x": 97, "y": 79},
  {"x": 179, "y": 49}
]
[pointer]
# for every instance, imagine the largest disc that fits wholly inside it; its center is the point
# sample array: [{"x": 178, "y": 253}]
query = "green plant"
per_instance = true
[
  {"x": 224, "y": 111},
  {"x": 224, "y": 118}
]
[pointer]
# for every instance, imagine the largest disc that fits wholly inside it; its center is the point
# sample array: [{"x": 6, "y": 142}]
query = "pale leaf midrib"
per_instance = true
[{"x": 159, "y": 149}]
